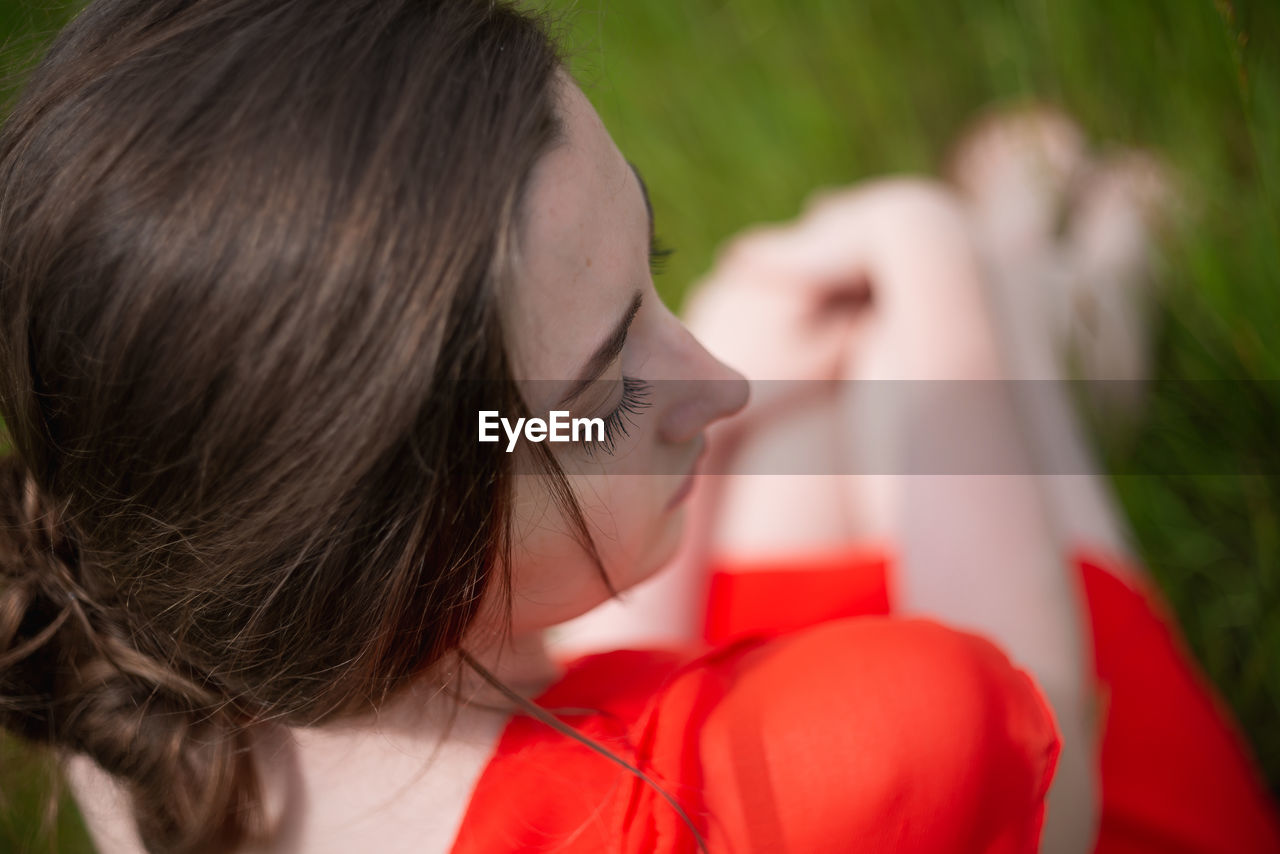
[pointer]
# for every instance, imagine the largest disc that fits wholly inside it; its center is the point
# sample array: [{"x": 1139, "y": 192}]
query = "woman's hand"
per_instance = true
[{"x": 768, "y": 311}]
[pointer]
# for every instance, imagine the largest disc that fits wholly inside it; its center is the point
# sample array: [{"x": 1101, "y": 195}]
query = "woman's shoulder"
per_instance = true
[{"x": 888, "y": 731}]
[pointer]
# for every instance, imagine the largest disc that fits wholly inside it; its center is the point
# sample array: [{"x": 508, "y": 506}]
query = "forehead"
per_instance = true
[{"x": 582, "y": 248}]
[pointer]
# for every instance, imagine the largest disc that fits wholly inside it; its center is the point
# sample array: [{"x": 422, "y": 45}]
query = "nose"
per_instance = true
[{"x": 706, "y": 391}]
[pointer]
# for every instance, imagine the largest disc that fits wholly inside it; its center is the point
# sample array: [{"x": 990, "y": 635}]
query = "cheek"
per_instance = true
[
  {"x": 632, "y": 528},
  {"x": 627, "y": 504},
  {"x": 553, "y": 577}
]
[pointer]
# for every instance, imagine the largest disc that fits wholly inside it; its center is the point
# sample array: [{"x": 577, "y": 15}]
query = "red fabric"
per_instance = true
[
  {"x": 1175, "y": 774},
  {"x": 864, "y": 733},
  {"x": 776, "y": 596}
]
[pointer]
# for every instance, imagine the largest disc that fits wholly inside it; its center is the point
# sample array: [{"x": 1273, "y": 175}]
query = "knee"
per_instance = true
[{"x": 908, "y": 205}]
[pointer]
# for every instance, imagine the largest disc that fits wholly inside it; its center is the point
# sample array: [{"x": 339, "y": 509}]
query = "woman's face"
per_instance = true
[{"x": 583, "y": 281}]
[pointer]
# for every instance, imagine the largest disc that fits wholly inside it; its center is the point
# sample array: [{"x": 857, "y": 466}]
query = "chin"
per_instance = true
[
  {"x": 578, "y": 596},
  {"x": 664, "y": 544}
]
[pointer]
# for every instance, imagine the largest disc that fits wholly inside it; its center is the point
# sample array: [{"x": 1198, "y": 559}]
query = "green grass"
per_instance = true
[{"x": 735, "y": 111}]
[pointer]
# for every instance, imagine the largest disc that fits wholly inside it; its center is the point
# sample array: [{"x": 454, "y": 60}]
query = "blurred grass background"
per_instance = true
[{"x": 735, "y": 110}]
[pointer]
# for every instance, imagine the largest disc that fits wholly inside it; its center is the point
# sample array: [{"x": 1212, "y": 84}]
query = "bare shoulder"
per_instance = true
[
  {"x": 331, "y": 790},
  {"x": 104, "y": 805}
]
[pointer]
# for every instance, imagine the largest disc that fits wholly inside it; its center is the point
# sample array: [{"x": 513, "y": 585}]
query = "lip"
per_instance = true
[{"x": 686, "y": 485}]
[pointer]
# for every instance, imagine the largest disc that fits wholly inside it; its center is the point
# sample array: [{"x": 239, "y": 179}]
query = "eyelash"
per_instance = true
[
  {"x": 635, "y": 399},
  {"x": 659, "y": 254},
  {"x": 635, "y": 392}
]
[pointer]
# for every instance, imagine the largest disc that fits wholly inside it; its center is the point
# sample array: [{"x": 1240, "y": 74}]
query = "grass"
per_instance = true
[{"x": 736, "y": 111}]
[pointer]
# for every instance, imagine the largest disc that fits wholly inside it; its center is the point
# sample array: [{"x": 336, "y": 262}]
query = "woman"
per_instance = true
[{"x": 263, "y": 585}]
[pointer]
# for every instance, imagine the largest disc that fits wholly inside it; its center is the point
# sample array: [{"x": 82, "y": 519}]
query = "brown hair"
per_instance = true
[{"x": 251, "y": 257}]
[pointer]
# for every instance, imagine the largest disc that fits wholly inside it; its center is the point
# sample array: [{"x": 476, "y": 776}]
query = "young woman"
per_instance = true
[{"x": 263, "y": 267}]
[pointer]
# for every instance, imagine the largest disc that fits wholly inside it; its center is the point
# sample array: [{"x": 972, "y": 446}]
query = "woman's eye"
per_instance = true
[
  {"x": 635, "y": 399},
  {"x": 659, "y": 253}
]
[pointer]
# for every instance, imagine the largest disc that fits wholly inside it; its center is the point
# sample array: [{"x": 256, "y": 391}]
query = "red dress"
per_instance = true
[{"x": 814, "y": 723}]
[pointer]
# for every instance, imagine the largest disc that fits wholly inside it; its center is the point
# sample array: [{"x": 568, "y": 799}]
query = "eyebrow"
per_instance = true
[
  {"x": 644, "y": 191},
  {"x": 612, "y": 346}
]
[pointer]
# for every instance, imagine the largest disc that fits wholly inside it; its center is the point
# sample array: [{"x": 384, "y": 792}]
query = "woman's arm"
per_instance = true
[{"x": 931, "y": 400}]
